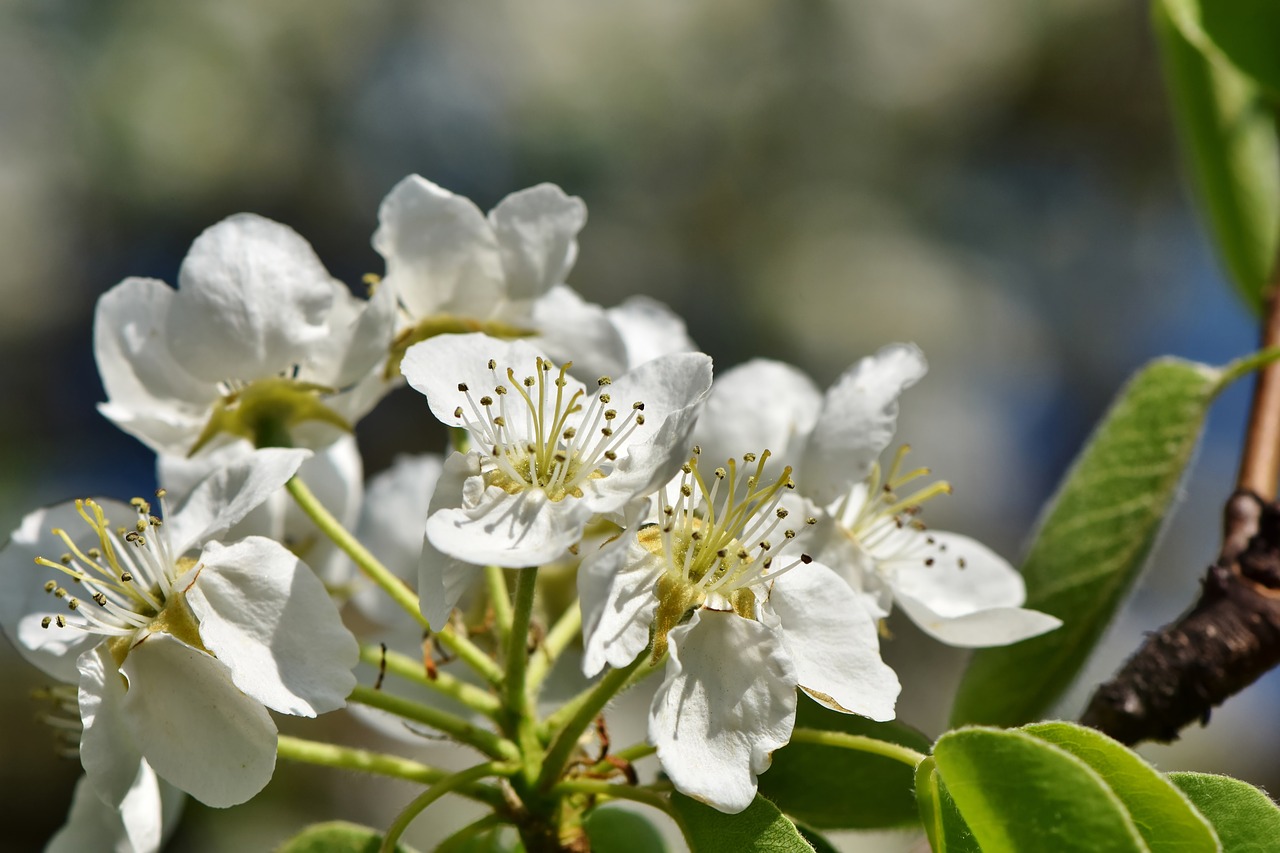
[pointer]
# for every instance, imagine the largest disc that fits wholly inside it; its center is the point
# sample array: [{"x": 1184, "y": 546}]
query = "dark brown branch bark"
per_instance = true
[
  {"x": 1231, "y": 637},
  {"x": 1225, "y": 643}
]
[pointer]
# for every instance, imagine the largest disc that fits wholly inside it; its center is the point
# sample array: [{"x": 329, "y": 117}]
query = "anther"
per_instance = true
[
  {"x": 486, "y": 400},
  {"x": 782, "y": 512},
  {"x": 60, "y": 621},
  {"x": 748, "y": 457},
  {"x": 100, "y": 599},
  {"x": 569, "y": 433},
  {"x": 640, "y": 420},
  {"x": 45, "y": 622},
  {"x": 806, "y": 559},
  {"x": 73, "y": 603},
  {"x": 462, "y": 386},
  {"x": 928, "y": 561},
  {"x": 492, "y": 364},
  {"x": 160, "y": 493},
  {"x": 686, "y": 490},
  {"x": 610, "y": 414},
  {"x": 603, "y": 381},
  {"x": 638, "y": 406},
  {"x": 65, "y": 559},
  {"x": 604, "y": 399},
  {"x": 789, "y": 533},
  {"x": 457, "y": 413},
  {"x": 500, "y": 390},
  {"x": 611, "y": 456},
  {"x": 960, "y": 562},
  {"x": 50, "y": 586},
  {"x": 126, "y": 577}
]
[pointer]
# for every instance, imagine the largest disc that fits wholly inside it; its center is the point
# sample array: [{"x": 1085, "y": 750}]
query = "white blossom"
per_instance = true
[
  {"x": 179, "y": 644},
  {"x": 714, "y": 579},
  {"x": 257, "y": 342},
  {"x": 546, "y": 456},
  {"x": 953, "y": 587},
  {"x": 455, "y": 270}
]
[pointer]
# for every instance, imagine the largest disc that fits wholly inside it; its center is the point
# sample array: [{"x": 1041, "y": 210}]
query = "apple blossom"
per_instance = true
[
  {"x": 714, "y": 579},
  {"x": 177, "y": 642},
  {"x": 546, "y": 457},
  {"x": 257, "y": 342},
  {"x": 454, "y": 270},
  {"x": 953, "y": 587}
]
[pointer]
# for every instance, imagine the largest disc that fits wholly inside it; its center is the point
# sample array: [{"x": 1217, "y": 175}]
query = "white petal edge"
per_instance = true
[
  {"x": 833, "y": 642},
  {"x": 271, "y": 622},
  {"x": 857, "y": 421},
  {"x": 759, "y": 405},
  {"x": 537, "y": 230},
  {"x": 727, "y": 702},
  {"x": 194, "y": 726}
]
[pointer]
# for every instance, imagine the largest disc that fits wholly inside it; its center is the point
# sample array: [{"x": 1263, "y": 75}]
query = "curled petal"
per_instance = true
[
  {"x": 618, "y": 600},
  {"x": 757, "y": 405},
  {"x": 272, "y": 624},
  {"x": 108, "y": 752},
  {"x": 859, "y": 414},
  {"x": 728, "y": 701},
  {"x": 537, "y": 230},
  {"x": 193, "y": 724},
  {"x": 833, "y": 643}
]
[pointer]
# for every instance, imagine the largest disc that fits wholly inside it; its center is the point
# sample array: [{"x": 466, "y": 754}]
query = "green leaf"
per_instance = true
[
  {"x": 759, "y": 829},
  {"x": 1019, "y": 793},
  {"x": 831, "y": 788},
  {"x": 337, "y": 837},
  {"x": 1247, "y": 32},
  {"x": 1163, "y": 814},
  {"x": 1095, "y": 539},
  {"x": 943, "y": 824},
  {"x": 1227, "y": 129},
  {"x": 1246, "y": 819},
  {"x": 816, "y": 840},
  {"x": 617, "y": 830}
]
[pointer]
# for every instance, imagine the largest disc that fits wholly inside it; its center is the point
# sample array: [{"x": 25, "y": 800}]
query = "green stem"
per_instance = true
[
  {"x": 1246, "y": 364},
  {"x": 403, "y": 666},
  {"x": 343, "y": 757},
  {"x": 455, "y": 841},
  {"x": 566, "y": 629},
  {"x": 567, "y": 710},
  {"x": 583, "y": 711},
  {"x": 861, "y": 743},
  {"x": 367, "y": 563},
  {"x": 485, "y": 741},
  {"x": 614, "y": 791},
  {"x": 435, "y": 792},
  {"x": 524, "y": 725},
  {"x": 500, "y": 600},
  {"x": 518, "y": 641},
  {"x": 470, "y": 654},
  {"x": 631, "y": 754}
]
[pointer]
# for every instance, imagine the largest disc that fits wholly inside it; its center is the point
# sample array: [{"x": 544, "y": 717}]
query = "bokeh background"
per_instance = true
[{"x": 995, "y": 180}]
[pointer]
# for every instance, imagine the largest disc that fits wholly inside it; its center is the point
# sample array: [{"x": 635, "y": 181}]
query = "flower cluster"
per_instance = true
[{"x": 740, "y": 536}]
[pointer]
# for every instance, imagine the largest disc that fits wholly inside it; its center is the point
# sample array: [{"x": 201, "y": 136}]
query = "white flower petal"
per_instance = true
[
  {"x": 137, "y": 825},
  {"x": 727, "y": 703},
  {"x": 23, "y": 601},
  {"x": 392, "y": 524},
  {"x": 995, "y": 626},
  {"x": 955, "y": 575},
  {"x": 194, "y": 726},
  {"x": 672, "y": 389},
  {"x": 570, "y": 329},
  {"x": 859, "y": 414},
  {"x": 441, "y": 252},
  {"x": 437, "y": 366},
  {"x": 151, "y": 396},
  {"x": 617, "y": 594},
  {"x": 229, "y": 494},
  {"x": 108, "y": 752},
  {"x": 252, "y": 295},
  {"x": 759, "y": 405},
  {"x": 649, "y": 328},
  {"x": 270, "y": 621},
  {"x": 512, "y": 531},
  {"x": 442, "y": 580},
  {"x": 833, "y": 643},
  {"x": 537, "y": 230}
]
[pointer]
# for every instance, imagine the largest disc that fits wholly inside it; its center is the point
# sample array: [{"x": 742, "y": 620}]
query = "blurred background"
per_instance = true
[{"x": 995, "y": 180}]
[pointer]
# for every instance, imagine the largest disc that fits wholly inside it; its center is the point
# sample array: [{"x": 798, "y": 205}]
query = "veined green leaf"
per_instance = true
[
  {"x": 1163, "y": 814},
  {"x": 831, "y": 788},
  {"x": 1017, "y": 793},
  {"x": 945, "y": 828},
  {"x": 1095, "y": 538},
  {"x": 1246, "y": 819},
  {"x": 1227, "y": 126},
  {"x": 759, "y": 829}
]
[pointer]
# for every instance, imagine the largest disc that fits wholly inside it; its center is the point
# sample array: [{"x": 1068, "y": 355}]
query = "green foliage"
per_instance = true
[
  {"x": 1215, "y": 54},
  {"x": 832, "y": 788},
  {"x": 1246, "y": 819},
  {"x": 759, "y": 829},
  {"x": 616, "y": 830},
  {"x": 943, "y": 824},
  {"x": 337, "y": 837},
  {"x": 1094, "y": 541},
  {"x": 1163, "y": 814},
  {"x": 1018, "y": 792}
]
